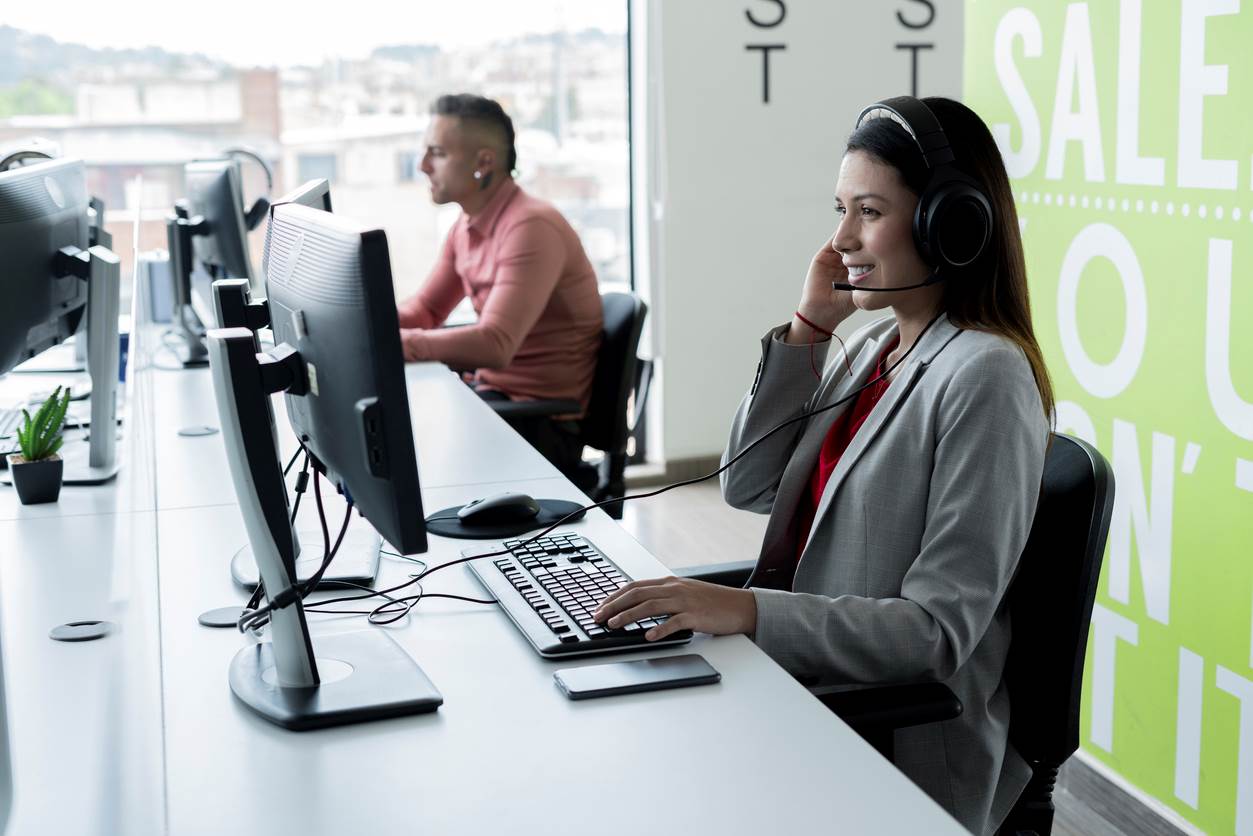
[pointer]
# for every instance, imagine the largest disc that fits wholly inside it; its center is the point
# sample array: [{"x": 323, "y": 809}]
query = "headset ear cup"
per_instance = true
[
  {"x": 256, "y": 213},
  {"x": 953, "y": 223}
]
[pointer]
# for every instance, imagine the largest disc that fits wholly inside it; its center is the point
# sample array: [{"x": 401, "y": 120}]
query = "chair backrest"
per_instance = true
[
  {"x": 605, "y": 424},
  {"x": 1051, "y": 600}
]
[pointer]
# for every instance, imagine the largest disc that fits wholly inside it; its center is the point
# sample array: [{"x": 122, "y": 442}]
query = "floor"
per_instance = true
[{"x": 692, "y": 525}]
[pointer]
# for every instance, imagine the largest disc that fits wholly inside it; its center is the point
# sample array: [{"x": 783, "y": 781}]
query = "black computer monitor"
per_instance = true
[
  {"x": 331, "y": 299},
  {"x": 207, "y": 235},
  {"x": 51, "y": 275},
  {"x": 316, "y": 194},
  {"x": 43, "y": 207},
  {"x": 357, "y": 560},
  {"x": 338, "y": 360},
  {"x": 215, "y": 193},
  {"x": 233, "y": 305}
]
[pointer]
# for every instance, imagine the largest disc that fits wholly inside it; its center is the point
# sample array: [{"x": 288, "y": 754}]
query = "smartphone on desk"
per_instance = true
[{"x": 636, "y": 675}]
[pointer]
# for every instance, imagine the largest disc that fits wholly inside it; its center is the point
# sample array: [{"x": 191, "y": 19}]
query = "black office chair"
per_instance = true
[
  {"x": 1050, "y": 603},
  {"x": 606, "y": 426}
]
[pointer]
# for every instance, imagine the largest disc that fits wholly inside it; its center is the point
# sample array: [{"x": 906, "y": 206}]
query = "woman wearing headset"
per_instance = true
[{"x": 896, "y": 517}]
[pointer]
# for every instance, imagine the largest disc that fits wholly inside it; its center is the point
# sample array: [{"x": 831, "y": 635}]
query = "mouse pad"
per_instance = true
[{"x": 446, "y": 524}]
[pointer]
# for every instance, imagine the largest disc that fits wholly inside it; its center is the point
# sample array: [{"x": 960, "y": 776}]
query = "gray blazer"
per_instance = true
[{"x": 914, "y": 543}]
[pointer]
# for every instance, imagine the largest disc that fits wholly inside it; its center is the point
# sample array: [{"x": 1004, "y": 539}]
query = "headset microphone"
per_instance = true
[{"x": 934, "y": 278}]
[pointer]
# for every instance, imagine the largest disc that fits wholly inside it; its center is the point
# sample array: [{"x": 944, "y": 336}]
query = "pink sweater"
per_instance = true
[{"x": 534, "y": 290}]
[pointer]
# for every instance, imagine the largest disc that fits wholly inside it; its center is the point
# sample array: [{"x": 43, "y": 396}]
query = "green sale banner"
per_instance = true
[{"x": 1125, "y": 126}]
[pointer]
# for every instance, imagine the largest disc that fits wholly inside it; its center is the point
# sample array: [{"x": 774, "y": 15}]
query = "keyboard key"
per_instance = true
[{"x": 563, "y": 579}]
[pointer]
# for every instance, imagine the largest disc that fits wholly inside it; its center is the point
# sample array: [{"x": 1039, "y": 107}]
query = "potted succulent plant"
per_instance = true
[{"x": 37, "y": 469}]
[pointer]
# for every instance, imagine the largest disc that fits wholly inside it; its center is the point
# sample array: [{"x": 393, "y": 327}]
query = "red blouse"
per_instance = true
[{"x": 833, "y": 446}]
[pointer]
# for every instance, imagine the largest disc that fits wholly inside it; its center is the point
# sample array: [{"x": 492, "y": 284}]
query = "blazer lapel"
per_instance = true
[
  {"x": 939, "y": 336},
  {"x": 801, "y": 467},
  {"x": 776, "y": 546}
]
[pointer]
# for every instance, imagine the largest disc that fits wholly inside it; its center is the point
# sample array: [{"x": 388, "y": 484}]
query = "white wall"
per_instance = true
[{"x": 734, "y": 195}]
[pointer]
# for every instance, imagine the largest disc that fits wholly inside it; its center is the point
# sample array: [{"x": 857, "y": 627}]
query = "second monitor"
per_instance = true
[
  {"x": 207, "y": 235},
  {"x": 338, "y": 361},
  {"x": 234, "y": 307},
  {"x": 52, "y": 274}
]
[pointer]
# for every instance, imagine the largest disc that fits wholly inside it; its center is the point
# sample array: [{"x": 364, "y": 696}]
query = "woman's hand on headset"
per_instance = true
[{"x": 822, "y": 305}]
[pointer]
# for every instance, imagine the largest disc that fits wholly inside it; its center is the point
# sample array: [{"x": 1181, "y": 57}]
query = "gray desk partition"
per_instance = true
[{"x": 145, "y": 718}]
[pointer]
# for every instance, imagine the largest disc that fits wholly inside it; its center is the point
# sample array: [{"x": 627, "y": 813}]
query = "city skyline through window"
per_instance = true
[{"x": 352, "y": 108}]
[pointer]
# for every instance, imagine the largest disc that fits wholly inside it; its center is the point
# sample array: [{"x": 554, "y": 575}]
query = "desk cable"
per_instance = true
[
  {"x": 302, "y": 483},
  {"x": 253, "y": 616},
  {"x": 256, "y": 617},
  {"x": 386, "y": 614}
]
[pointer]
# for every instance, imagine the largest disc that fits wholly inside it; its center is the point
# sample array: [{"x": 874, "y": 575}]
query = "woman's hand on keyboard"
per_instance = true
[{"x": 691, "y": 605}]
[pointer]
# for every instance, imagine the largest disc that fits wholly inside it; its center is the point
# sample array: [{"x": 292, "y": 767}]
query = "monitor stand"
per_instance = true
[
  {"x": 95, "y": 461},
  {"x": 98, "y": 463},
  {"x": 61, "y": 359},
  {"x": 358, "y": 557},
  {"x": 179, "y": 230},
  {"x": 357, "y": 560},
  {"x": 364, "y": 675},
  {"x": 356, "y": 676},
  {"x": 193, "y": 353}
]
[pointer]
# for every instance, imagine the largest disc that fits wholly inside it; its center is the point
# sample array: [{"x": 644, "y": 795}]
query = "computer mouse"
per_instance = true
[{"x": 498, "y": 508}]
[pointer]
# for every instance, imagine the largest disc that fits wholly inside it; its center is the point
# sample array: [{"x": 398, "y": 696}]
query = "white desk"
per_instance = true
[
  {"x": 132, "y": 490},
  {"x": 505, "y": 753},
  {"x": 84, "y": 719}
]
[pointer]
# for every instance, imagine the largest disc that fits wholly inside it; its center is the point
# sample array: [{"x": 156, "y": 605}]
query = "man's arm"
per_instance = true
[
  {"x": 531, "y": 257},
  {"x": 430, "y": 306}
]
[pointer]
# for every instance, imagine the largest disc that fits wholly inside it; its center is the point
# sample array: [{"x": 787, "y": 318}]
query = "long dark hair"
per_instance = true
[{"x": 992, "y": 294}]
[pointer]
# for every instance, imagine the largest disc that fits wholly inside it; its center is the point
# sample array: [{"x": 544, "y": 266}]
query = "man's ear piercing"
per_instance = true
[{"x": 478, "y": 175}]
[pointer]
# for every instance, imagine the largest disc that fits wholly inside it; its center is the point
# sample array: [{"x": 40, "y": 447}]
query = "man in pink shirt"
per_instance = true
[{"x": 524, "y": 269}]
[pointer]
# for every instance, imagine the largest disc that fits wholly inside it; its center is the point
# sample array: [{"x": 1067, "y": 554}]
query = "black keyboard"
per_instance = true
[
  {"x": 10, "y": 423},
  {"x": 10, "y": 419},
  {"x": 551, "y": 587}
]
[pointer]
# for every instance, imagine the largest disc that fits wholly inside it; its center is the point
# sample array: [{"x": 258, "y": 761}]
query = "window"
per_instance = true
[
  {"x": 315, "y": 167},
  {"x": 254, "y": 75},
  {"x": 407, "y": 163}
]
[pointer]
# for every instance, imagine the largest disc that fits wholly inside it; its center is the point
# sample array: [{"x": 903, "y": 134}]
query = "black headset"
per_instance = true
[
  {"x": 261, "y": 206},
  {"x": 954, "y": 219},
  {"x": 22, "y": 157}
]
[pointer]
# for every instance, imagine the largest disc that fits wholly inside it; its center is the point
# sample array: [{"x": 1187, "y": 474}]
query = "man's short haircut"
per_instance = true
[{"x": 481, "y": 112}]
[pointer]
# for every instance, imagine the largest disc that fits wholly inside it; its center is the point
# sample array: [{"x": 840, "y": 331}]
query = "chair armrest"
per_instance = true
[
  {"x": 724, "y": 574},
  {"x": 893, "y": 706},
  {"x": 524, "y": 409},
  {"x": 643, "y": 382}
]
